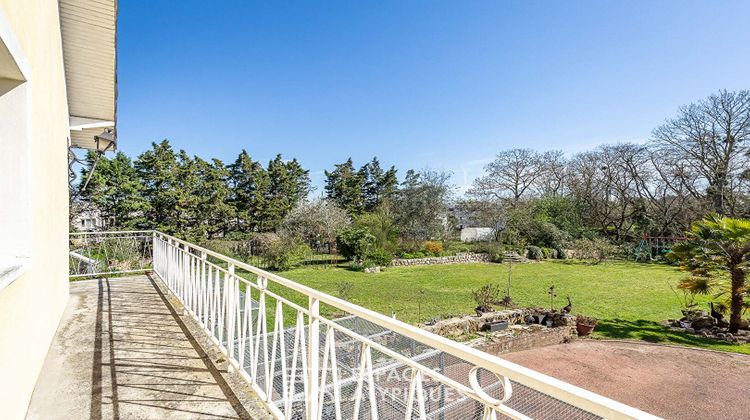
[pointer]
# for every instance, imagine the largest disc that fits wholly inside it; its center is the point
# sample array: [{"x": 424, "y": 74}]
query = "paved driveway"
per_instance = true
[{"x": 671, "y": 382}]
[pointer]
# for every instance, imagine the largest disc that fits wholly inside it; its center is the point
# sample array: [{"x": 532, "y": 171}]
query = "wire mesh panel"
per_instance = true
[
  {"x": 392, "y": 381},
  {"x": 107, "y": 253},
  {"x": 360, "y": 366}
]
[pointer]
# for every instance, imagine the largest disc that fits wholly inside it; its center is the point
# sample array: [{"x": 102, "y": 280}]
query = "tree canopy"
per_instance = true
[{"x": 192, "y": 197}]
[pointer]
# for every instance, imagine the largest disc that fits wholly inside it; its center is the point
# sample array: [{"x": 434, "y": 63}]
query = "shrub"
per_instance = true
[
  {"x": 534, "y": 253},
  {"x": 497, "y": 257},
  {"x": 453, "y": 247},
  {"x": 495, "y": 250},
  {"x": 260, "y": 242},
  {"x": 380, "y": 224},
  {"x": 356, "y": 266},
  {"x": 626, "y": 250},
  {"x": 355, "y": 243},
  {"x": 412, "y": 255},
  {"x": 379, "y": 257},
  {"x": 433, "y": 247},
  {"x": 596, "y": 249},
  {"x": 485, "y": 296},
  {"x": 546, "y": 252},
  {"x": 286, "y": 254},
  {"x": 222, "y": 246}
]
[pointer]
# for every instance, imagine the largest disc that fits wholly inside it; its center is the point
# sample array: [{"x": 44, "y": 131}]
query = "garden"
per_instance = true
[
  {"x": 630, "y": 300},
  {"x": 569, "y": 226}
]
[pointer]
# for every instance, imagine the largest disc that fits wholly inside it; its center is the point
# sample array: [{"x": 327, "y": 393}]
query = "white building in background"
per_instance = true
[
  {"x": 90, "y": 220},
  {"x": 57, "y": 89},
  {"x": 477, "y": 234}
]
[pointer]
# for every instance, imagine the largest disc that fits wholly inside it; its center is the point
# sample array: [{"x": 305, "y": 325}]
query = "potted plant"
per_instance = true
[{"x": 585, "y": 325}]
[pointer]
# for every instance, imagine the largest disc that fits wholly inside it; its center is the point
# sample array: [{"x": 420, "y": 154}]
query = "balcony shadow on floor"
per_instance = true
[{"x": 146, "y": 362}]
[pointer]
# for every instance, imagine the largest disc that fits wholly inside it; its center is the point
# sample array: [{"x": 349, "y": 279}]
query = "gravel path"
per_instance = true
[{"x": 671, "y": 382}]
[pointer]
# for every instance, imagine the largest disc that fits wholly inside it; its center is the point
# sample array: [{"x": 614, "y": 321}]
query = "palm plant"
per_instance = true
[{"x": 718, "y": 246}]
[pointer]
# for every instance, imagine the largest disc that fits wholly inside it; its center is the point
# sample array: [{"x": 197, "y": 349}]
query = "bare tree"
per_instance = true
[
  {"x": 603, "y": 182},
  {"x": 554, "y": 171},
  {"x": 509, "y": 177},
  {"x": 710, "y": 139},
  {"x": 666, "y": 188}
]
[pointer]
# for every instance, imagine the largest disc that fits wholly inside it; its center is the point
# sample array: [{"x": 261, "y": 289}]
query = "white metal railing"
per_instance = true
[
  {"x": 360, "y": 365},
  {"x": 314, "y": 367},
  {"x": 97, "y": 253}
]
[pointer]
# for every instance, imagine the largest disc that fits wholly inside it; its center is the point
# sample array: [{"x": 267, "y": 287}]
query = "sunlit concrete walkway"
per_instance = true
[{"x": 122, "y": 351}]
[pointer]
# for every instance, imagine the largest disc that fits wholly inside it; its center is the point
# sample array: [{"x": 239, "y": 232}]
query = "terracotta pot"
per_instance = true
[{"x": 585, "y": 329}]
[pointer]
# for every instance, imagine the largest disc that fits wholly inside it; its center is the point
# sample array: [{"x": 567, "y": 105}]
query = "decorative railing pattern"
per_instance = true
[
  {"x": 359, "y": 364},
  {"x": 309, "y": 366}
]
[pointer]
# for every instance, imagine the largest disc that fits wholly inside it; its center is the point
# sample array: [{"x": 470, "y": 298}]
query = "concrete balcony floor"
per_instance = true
[{"x": 124, "y": 350}]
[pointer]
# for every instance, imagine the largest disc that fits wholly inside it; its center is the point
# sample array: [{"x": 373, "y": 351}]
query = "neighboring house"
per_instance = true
[
  {"x": 476, "y": 234},
  {"x": 91, "y": 220},
  {"x": 57, "y": 90}
]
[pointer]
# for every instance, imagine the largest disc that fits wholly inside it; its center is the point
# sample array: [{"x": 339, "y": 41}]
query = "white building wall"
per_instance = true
[
  {"x": 477, "y": 234},
  {"x": 31, "y": 305}
]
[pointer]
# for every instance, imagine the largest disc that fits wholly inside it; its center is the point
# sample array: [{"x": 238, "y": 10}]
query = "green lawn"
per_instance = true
[{"x": 629, "y": 299}]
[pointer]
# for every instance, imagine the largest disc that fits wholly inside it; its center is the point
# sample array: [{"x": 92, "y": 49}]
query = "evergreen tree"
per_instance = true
[
  {"x": 214, "y": 210},
  {"x": 186, "y": 186},
  {"x": 249, "y": 184},
  {"x": 289, "y": 183},
  {"x": 157, "y": 170},
  {"x": 114, "y": 190},
  {"x": 378, "y": 185},
  {"x": 344, "y": 185}
]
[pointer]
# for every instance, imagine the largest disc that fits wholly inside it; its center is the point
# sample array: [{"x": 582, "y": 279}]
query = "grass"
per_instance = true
[{"x": 629, "y": 299}]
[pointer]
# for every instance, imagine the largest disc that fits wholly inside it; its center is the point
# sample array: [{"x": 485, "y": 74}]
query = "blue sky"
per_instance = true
[{"x": 436, "y": 84}]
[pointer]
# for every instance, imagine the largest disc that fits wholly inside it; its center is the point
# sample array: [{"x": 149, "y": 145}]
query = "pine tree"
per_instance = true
[
  {"x": 214, "y": 210},
  {"x": 186, "y": 185},
  {"x": 344, "y": 186},
  {"x": 289, "y": 184},
  {"x": 114, "y": 190},
  {"x": 157, "y": 170},
  {"x": 378, "y": 185},
  {"x": 249, "y": 183}
]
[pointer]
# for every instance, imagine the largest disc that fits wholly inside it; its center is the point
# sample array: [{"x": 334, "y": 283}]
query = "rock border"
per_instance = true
[{"x": 460, "y": 258}]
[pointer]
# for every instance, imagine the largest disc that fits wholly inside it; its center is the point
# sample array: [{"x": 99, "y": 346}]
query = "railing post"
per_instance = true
[
  {"x": 229, "y": 313},
  {"x": 154, "y": 253},
  {"x": 170, "y": 255},
  {"x": 186, "y": 275},
  {"x": 313, "y": 358},
  {"x": 202, "y": 294}
]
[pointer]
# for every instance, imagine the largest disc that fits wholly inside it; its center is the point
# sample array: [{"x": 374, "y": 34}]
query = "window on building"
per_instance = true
[{"x": 15, "y": 159}]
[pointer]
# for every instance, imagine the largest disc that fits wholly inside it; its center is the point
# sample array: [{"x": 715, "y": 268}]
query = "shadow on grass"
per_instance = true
[{"x": 649, "y": 331}]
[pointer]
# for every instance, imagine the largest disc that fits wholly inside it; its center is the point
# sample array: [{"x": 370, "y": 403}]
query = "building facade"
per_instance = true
[{"x": 44, "y": 108}]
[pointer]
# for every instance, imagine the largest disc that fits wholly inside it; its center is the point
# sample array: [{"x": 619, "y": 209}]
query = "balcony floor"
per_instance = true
[{"x": 124, "y": 350}]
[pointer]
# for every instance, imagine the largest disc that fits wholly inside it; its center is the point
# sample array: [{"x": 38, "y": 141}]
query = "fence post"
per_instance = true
[
  {"x": 313, "y": 358},
  {"x": 229, "y": 313}
]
